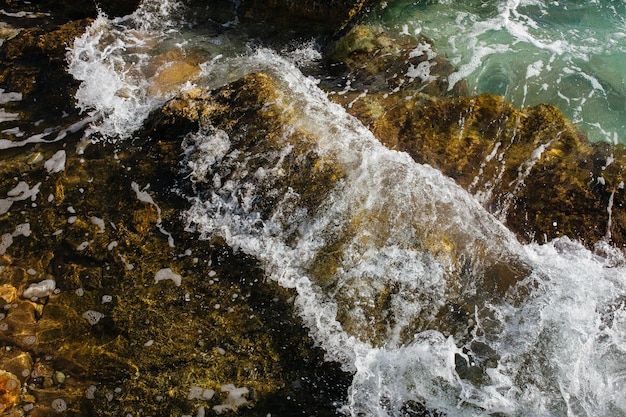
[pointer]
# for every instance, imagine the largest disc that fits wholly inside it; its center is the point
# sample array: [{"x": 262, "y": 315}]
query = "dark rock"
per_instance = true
[
  {"x": 33, "y": 68},
  {"x": 308, "y": 18},
  {"x": 65, "y": 11}
]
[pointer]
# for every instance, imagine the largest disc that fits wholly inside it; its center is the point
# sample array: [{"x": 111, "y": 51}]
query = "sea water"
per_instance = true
[
  {"x": 569, "y": 53},
  {"x": 552, "y": 344}
]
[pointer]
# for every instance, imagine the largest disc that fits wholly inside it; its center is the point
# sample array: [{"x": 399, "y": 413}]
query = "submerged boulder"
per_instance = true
[{"x": 368, "y": 59}]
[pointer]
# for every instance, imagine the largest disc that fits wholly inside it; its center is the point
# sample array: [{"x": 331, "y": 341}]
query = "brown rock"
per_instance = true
[{"x": 531, "y": 168}]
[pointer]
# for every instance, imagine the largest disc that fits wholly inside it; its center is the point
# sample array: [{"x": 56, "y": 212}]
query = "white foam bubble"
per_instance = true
[
  {"x": 56, "y": 163},
  {"x": 41, "y": 289},
  {"x": 168, "y": 274}
]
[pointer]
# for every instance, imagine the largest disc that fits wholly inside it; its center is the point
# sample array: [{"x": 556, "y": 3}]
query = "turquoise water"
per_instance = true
[{"x": 571, "y": 54}]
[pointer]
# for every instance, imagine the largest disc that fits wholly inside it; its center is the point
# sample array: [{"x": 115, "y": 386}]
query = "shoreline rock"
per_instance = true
[{"x": 531, "y": 168}]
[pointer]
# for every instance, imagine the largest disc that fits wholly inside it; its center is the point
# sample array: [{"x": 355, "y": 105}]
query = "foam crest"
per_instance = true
[
  {"x": 108, "y": 60},
  {"x": 129, "y": 66}
]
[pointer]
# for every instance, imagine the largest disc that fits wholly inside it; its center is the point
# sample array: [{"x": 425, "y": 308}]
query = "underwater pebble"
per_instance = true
[
  {"x": 59, "y": 405},
  {"x": 30, "y": 339},
  {"x": 41, "y": 289},
  {"x": 59, "y": 377},
  {"x": 92, "y": 316},
  {"x": 90, "y": 391}
]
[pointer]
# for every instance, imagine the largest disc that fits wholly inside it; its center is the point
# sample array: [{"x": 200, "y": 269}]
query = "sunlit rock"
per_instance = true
[{"x": 532, "y": 168}]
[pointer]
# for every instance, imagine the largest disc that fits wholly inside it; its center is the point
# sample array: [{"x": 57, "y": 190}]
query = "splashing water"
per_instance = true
[
  {"x": 471, "y": 322},
  {"x": 546, "y": 347}
]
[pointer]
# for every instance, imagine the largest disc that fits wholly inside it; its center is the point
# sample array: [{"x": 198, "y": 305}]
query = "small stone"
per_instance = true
[{"x": 59, "y": 377}]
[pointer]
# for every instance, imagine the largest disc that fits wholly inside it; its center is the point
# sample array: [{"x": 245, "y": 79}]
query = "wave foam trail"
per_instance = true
[
  {"x": 403, "y": 277},
  {"x": 130, "y": 65}
]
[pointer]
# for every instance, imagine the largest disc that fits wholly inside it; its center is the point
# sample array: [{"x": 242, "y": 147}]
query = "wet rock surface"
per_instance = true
[
  {"x": 65, "y": 11},
  {"x": 110, "y": 307},
  {"x": 532, "y": 168},
  {"x": 34, "y": 76}
]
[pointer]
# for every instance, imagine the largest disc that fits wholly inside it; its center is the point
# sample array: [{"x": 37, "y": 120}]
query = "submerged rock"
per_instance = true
[
  {"x": 531, "y": 167},
  {"x": 367, "y": 59},
  {"x": 88, "y": 327}
]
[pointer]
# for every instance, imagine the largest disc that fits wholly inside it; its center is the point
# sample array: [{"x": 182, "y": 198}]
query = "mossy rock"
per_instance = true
[
  {"x": 530, "y": 167},
  {"x": 368, "y": 59}
]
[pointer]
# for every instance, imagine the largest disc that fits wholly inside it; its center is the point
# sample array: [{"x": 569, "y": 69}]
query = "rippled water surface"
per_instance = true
[{"x": 568, "y": 53}]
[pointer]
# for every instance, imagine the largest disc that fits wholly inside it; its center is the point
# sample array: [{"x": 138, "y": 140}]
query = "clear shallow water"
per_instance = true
[
  {"x": 571, "y": 54},
  {"x": 553, "y": 345}
]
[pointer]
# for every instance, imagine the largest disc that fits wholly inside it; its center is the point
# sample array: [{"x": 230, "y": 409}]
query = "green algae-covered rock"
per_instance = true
[
  {"x": 372, "y": 60},
  {"x": 531, "y": 167}
]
